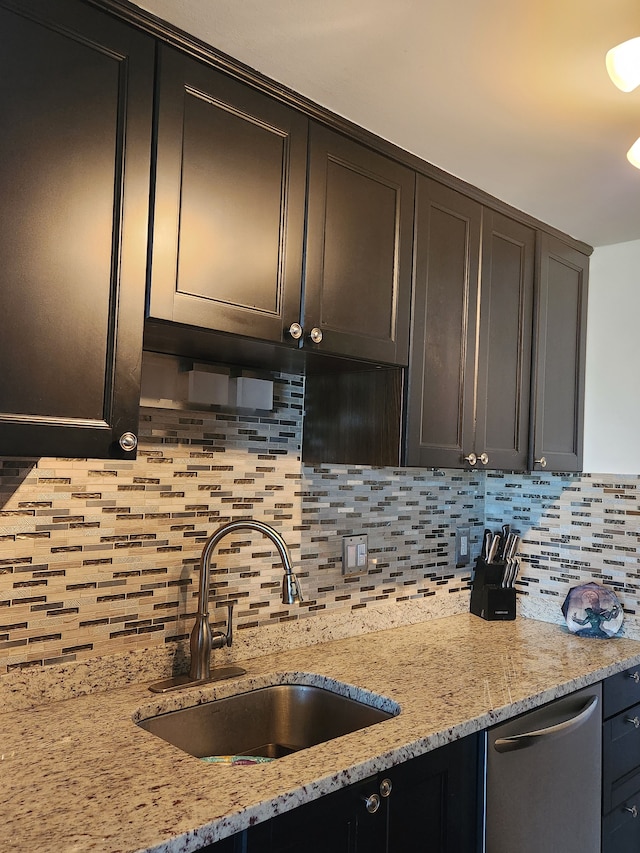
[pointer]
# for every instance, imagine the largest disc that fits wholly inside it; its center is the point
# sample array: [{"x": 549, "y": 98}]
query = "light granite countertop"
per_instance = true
[{"x": 78, "y": 775}]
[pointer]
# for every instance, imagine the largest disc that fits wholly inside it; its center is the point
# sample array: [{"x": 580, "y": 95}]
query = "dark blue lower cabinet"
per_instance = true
[
  {"x": 430, "y": 803},
  {"x": 435, "y": 802},
  {"x": 621, "y": 762},
  {"x": 338, "y": 822}
]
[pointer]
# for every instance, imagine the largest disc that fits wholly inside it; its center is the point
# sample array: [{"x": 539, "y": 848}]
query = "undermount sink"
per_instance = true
[{"x": 270, "y": 721}]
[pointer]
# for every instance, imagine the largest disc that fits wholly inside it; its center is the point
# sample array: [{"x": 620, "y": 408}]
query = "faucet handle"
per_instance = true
[
  {"x": 224, "y": 638},
  {"x": 229, "y": 634}
]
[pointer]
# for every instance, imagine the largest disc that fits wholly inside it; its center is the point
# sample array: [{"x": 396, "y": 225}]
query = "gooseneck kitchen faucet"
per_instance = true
[{"x": 203, "y": 640}]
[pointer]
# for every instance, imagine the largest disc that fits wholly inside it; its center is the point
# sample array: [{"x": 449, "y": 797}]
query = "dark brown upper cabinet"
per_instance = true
[
  {"x": 228, "y": 213},
  {"x": 469, "y": 377},
  {"x": 357, "y": 285},
  {"x": 75, "y": 145},
  {"x": 440, "y": 413},
  {"x": 561, "y": 325},
  {"x": 504, "y": 350},
  {"x": 356, "y": 300},
  {"x": 229, "y": 223}
]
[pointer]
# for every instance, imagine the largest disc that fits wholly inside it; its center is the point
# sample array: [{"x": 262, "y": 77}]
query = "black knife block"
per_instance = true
[{"x": 489, "y": 599}]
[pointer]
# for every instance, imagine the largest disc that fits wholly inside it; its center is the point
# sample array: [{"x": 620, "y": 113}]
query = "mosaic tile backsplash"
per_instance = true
[{"x": 100, "y": 557}]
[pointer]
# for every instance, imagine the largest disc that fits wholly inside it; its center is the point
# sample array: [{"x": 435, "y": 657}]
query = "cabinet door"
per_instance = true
[
  {"x": 74, "y": 181},
  {"x": 229, "y": 204},
  {"x": 434, "y": 805},
  {"x": 504, "y": 361},
  {"x": 620, "y": 756},
  {"x": 560, "y": 342},
  {"x": 620, "y": 691},
  {"x": 440, "y": 420},
  {"x": 358, "y": 251},
  {"x": 338, "y": 822},
  {"x": 621, "y": 828}
]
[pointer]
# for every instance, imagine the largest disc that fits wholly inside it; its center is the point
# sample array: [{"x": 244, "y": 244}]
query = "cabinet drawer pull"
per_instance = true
[
  {"x": 484, "y": 458},
  {"x": 295, "y": 330},
  {"x": 128, "y": 441},
  {"x": 542, "y": 462},
  {"x": 385, "y": 787},
  {"x": 471, "y": 459},
  {"x": 372, "y": 803},
  {"x": 635, "y": 676},
  {"x": 635, "y": 721},
  {"x": 316, "y": 335},
  {"x": 632, "y": 809}
]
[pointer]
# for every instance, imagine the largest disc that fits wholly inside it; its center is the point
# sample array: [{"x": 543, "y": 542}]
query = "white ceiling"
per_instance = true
[{"x": 510, "y": 95}]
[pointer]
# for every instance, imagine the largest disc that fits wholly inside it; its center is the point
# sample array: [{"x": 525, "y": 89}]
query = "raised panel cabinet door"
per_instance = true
[
  {"x": 336, "y": 823},
  {"x": 559, "y": 347},
  {"x": 441, "y": 386},
  {"x": 434, "y": 805},
  {"x": 75, "y": 144},
  {"x": 358, "y": 250},
  {"x": 230, "y": 178},
  {"x": 504, "y": 361},
  {"x": 621, "y": 828}
]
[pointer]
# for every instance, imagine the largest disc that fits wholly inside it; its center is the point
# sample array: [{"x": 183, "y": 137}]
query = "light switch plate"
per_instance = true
[
  {"x": 462, "y": 546},
  {"x": 355, "y": 554}
]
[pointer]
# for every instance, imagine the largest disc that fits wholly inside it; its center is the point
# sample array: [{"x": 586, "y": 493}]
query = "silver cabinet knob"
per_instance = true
[
  {"x": 471, "y": 459},
  {"x": 316, "y": 335},
  {"x": 542, "y": 462},
  {"x": 484, "y": 458},
  {"x": 632, "y": 809},
  {"x": 635, "y": 721},
  {"x": 372, "y": 803},
  {"x": 385, "y": 787},
  {"x": 128, "y": 441},
  {"x": 295, "y": 330},
  {"x": 635, "y": 676}
]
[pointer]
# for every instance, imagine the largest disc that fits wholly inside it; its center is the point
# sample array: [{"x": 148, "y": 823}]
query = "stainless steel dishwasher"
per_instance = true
[{"x": 544, "y": 778}]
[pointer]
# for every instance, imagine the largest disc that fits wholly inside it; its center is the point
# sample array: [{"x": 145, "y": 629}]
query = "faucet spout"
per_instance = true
[{"x": 202, "y": 642}]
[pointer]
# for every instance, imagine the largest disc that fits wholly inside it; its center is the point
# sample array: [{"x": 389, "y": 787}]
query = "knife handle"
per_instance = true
[
  {"x": 495, "y": 544},
  {"x": 486, "y": 544}
]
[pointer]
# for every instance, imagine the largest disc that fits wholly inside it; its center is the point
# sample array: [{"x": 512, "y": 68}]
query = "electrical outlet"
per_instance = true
[
  {"x": 462, "y": 546},
  {"x": 355, "y": 554}
]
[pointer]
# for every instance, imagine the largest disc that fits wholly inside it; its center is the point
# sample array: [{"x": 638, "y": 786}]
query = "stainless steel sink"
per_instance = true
[{"x": 270, "y": 721}]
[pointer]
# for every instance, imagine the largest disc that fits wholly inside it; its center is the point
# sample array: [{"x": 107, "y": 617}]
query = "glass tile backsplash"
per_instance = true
[{"x": 102, "y": 556}]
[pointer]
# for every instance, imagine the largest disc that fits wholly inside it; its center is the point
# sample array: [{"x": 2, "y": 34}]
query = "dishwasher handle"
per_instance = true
[{"x": 509, "y": 744}]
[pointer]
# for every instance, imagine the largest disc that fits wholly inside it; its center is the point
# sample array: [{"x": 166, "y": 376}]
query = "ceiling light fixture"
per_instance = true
[
  {"x": 623, "y": 65},
  {"x": 633, "y": 154}
]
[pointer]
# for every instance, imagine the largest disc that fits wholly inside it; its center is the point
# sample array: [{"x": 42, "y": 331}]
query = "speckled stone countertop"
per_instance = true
[{"x": 79, "y": 775}]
